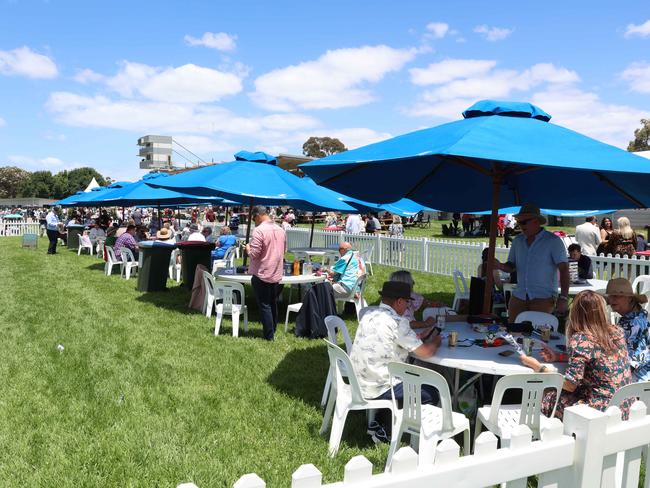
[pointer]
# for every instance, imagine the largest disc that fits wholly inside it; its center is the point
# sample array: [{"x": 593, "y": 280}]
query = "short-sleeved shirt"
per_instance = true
[
  {"x": 267, "y": 252},
  {"x": 346, "y": 269},
  {"x": 637, "y": 331},
  {"x": 536, "y": 265},
  {"x": 125, "y": 240},
  {"x": 383, "y": 337}
]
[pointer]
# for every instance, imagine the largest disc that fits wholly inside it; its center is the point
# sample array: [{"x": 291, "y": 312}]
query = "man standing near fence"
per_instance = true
[
  {"x": 266, "y": 250},
  {"x": 52, "y": 229},
  {"x": 537, "y": 255},
  {"x": 588, "y": 236}
]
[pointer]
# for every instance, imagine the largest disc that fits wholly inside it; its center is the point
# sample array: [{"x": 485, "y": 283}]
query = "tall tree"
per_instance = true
[
  {"x": 79, "y": 178},
  {"x": 11, "y": 180},
  {"x": 319, "y": 147},
  {"x": 641, "y": 140},
  {"x": 40, "y": 184}
]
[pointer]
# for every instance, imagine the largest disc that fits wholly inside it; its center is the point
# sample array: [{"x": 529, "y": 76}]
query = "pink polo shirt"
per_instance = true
[{"x": 267, "y": 252}]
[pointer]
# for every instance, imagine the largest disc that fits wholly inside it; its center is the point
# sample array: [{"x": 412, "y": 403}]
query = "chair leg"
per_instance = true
[
  {"x": 217, "y": 323},
  {"x": 245, "y": 319},
  {"x": 209, "y": 305},
  {"x": 326, "y": 390},
  {"x": 336, "y": 433},
  {"x": 427, "y": 449},
  {"x": 329, "y": 410},
  {"x": 466, "y": 442},
  {"x": 235, "y": 321},
  {"x": 477, "y": 428},
  {"x": 286, "y": 321},
  {"x": 394, "y": 442}
]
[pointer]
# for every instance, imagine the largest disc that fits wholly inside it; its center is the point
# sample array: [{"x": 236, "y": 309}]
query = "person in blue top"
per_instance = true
[
  {"x": 226, "y": 241},
  {"x": 537, "y": 255},
  {"x": 634, "y": 322},
  {"x": 52, "y": 229},
  {"x": 344, "y": 273}
]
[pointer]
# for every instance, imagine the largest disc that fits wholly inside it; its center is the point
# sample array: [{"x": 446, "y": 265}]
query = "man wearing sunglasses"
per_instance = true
[{"x": 537, "y": 255}]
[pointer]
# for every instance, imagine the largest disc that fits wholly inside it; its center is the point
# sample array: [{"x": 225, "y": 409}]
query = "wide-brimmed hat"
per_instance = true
[
  {"x": 530, "y": 211},
  {"x": 623, "y": 288},
  {"x": 163, "y": 234},
  {"x": 396, "y": 289}
]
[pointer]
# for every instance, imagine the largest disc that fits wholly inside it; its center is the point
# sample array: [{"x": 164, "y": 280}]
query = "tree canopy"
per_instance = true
[
  {"x": 641, "y": 140},
  {"x": 319, "y": 147},
  {"x": 16, "y": 182}
]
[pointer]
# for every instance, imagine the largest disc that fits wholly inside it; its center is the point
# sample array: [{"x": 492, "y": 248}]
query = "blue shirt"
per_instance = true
[
  {"x": 536, "y": 265},
  {"x": 346, "y": 273},
  {"x": 52, "y": 221},
  {"x": 636, "y": 328},
  {"x": 224, "y": 243}
]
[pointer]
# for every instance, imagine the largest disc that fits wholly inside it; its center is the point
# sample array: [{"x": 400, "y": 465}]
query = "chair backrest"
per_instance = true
[
  {"x": 173, "y": 257},
  {"x": 640, "y": 390},
  {"x": 226, "y": 291},
  {"x": 339, "y": 363},
  {"x": 366, "y": 254},
  {"x": 229, "y": 257},
  {"x": 459, "y": 280},
  {"x": 84, "y": 241},
  {"x": 110, "y": 252},
  {"x": 335, "y": 323},
  {"x": 412, "y": 378},
  {"x": 127, "y": 255},
  {"x": 208, "y": 283},
  {"x": 538, "y": 319},
  {"x": 532, "y": 386},
  {"x": 641, "y": 284},
  {"x": 435, "y": 311}
]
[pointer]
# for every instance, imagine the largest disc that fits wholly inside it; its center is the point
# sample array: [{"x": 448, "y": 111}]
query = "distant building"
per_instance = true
[
  {"x": 156, "y": 152},
  {"x": 291, "y": 162}
]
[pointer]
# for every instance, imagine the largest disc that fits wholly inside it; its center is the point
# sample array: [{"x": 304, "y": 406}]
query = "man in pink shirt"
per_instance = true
[{"x": 266, "y": 250}]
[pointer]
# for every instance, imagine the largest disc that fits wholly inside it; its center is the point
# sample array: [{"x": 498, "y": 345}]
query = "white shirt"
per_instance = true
[
  {"x": 510, "y": 221},
  {"x": 382, "y": 337},
  {"x": 588, "y": 236},
  {"x": 197, "y": 237},
  {"x": 354, "y": 225}
]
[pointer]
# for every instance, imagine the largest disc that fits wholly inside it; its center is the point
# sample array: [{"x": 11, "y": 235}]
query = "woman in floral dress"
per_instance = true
[{"x": 598, "y": 364}]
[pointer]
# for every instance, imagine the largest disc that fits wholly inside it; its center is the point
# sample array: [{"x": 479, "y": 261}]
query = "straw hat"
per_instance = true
[
  {"x": 530, "y": 211},
  {"x": 163, "y": 234},
  {"x": 623, "y": 288}
]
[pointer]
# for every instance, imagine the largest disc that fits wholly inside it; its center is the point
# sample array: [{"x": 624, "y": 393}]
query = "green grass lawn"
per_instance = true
[{"x": 143, "y": 394}]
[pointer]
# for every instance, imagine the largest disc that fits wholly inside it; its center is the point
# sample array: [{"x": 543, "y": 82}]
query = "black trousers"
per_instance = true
[
  {"x": 52, "y": 236},
  {"x": 266, "y": 295}
]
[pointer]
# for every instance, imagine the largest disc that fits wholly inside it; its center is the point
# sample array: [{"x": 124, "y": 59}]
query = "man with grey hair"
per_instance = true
[
  {"x": 266, "y": 250},
  {"x": 345, "y": 271}
]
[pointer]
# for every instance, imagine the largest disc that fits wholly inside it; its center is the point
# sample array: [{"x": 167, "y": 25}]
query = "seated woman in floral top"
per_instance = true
[
  {"x": 634, "y": 322},
  {"x": 597, "y": 356}
]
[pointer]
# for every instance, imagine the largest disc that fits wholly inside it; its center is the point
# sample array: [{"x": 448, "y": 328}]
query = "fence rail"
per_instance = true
[
  {"x": 442, "y": 256},
  {"x": 14, "y": 228}
]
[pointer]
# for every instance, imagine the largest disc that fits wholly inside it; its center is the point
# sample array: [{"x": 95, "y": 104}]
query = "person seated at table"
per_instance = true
[
  {"x": 634, "y": 322},
  {"x": 225, "y": 241},
  {"x": 345, "y": 271},
  {"x": 141, "y": 233},
  {"x": 482, "y": 270},
  {"x": 195, "y": 235},
  {"x": 126, "y": 240},
  {"x": 598, "y": 363},
  {"x": 207, "y": 233},
  {"x": 96, "y": 232},
  {"x": 417, "y": 303},
  {"x": 164, "y": 235},
  {"x": 331, "y": 220},
  {"x": 384, "y": 336},
  {"x": 585, "y": 266}
]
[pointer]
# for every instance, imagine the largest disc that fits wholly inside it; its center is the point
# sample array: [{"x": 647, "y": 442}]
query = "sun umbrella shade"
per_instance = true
[
  {"x": 454, "y": 165},
  {"x": 549, "y": 211}
]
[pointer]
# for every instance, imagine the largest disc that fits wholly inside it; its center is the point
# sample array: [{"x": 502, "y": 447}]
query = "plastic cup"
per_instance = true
[
  {"x": 453, "y": 338},
  {"x": 528, "y": 346},
  {"x": 442, "y": 318},
  {"x": 545, "y": 332}
]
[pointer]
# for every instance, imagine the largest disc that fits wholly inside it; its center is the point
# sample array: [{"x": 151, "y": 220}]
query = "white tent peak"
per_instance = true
[{"x": 91, "y": 185}]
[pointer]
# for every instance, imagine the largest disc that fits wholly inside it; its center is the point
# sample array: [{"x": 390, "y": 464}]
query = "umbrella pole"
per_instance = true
[
  {"x": 123, "y": 217},
  {"x": 311, "y": 234},
  {"x": 489, "y": 272},
  {"x": 159, "y": 221},
  {"x": 248, "y": 227}
]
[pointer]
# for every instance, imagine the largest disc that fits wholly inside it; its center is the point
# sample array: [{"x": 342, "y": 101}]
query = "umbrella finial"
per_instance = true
[{"x": 486, "y": 108}]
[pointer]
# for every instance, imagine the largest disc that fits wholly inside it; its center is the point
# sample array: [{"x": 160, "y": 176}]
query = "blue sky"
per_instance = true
[{"x": 81, "y": 81}]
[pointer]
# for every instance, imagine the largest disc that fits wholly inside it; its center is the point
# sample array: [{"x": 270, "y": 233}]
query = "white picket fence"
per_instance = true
[
  {"x": 14, "y": 228},
  {"x": 442, "y": 256},
  {"x": 591, "y": 449}
]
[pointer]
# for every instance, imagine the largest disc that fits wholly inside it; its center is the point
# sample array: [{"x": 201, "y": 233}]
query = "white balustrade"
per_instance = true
[{"x": 13, "y": 228}]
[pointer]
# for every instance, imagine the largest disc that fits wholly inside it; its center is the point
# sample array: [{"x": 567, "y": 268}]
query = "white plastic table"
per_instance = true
[
  {"x": 574, "y": 289},
  {"x": 286, "y": 280},
  {"x": 480, "y": 360},
  {"x": 313, "y": 251}
]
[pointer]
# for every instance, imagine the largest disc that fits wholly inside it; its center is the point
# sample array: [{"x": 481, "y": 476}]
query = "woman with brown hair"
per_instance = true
[
  {"x": 623, "y": 240},
  {"x": 606, "y": 229},
  {"x": 598, "y": 364}
]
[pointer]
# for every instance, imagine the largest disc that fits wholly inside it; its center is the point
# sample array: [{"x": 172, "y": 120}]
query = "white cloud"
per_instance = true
[
  {"x": 202, "y": 144},
  {"x": 85, "y": 76},
  {"x": 641, "y": 30},
  {"x": 23, "y": 61},
  {"x": 438, "y": 29},
  {"x": 219, "y": 41},
  {"x": 638, "y": 74},
  {"x": 493, "y": 34},
  {"x": 450, "y": 69},
  {"x": 48, "y": 163},
  {"x": 337, "y": 79},
  {"x": 185, "y": 84},
  {"x": 2, "y": 122}
]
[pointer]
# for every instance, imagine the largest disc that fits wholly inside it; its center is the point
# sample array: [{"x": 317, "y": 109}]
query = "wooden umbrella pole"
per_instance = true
[
  {"x": 489, "y": 273},
  {"x": 159, "y": 220},
  {"x": 248, "y": 227},
  {"x": 311, "y": 234}
]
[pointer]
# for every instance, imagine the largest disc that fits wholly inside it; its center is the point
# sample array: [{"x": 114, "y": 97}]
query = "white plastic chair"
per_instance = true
[
  {"x": 128, "y": 264},
  {"x": 640, "y": 390},
  {"x": 111, "y": 260},
  {"x": 334, "y": 323},
  {"x": 366, "y": 255},
  {"x": 429, "y": 423},
  {"x": 99, "y": 246},
  {"x": 538, "y": 319},
  {"x": 85, "y": 243},
  {"x": 436, "y": 311},
  {"x": 502, "y": 419},
  {"x": 356, "y": 295},
  {"x": 225, "y": 290},
  {"x": 209, "y": 297},
  {"x": 344, "y": 397},
  {"x": 462, "y": 290},
  {"x": 175, "y": 266},
  {"x": 228, "y": 260},
  {"x": 292, "y": 307},
  {"x": 641, "y": 284}
]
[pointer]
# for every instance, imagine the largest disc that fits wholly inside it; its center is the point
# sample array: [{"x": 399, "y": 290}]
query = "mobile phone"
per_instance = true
[{"x": 506, "y": 353}]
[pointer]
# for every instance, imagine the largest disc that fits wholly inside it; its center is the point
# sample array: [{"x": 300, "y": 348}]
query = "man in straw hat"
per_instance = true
[
  {"x": 536, "y": 255},
  {"x": 384, "y": 336},
  {"x": 634, "y": 322}
]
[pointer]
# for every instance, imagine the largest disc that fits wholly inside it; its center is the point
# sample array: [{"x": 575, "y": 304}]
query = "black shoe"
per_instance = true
[{"x": 377, "y": 433}]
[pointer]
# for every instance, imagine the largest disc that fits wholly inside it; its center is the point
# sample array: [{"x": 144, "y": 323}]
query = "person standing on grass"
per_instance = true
[
  {"x": 52, "y": 229},
  {"x": 588, "y": 236},
  {"x": 266, "y": 250}
]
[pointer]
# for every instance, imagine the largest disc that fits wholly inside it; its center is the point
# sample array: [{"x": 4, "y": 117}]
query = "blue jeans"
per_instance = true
[
  {"x": 428, "y": 394},
  {"x": 266, "y": 295}
]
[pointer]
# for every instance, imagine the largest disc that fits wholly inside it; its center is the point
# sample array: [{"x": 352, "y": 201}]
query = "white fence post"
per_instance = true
[
  {"x": 250, "y": 480},
  {"x": 589, "y": 426},
  {"x": 306, "y": 476}
]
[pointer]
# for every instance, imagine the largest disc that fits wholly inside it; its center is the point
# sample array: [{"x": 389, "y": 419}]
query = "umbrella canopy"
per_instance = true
[
  {"x": 94, "y": 198},
  {"x": 255, "y": 157},
  {"x": 257, "y": 183},
  {"x": 70, "y": 200},
  {"x": 454, "y": 165},
  {"x": 550, "y": 211}
]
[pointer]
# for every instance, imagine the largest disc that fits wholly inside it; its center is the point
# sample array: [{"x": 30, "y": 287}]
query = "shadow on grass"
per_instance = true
[{"x": 97, "y": 266}]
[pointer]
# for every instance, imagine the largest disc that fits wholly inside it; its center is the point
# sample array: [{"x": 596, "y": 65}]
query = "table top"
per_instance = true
[
  {"x": 486, "y": 360},
  {"x": 313, "y": 251},
  {"x": 286, "y": 280},
  {"x": 574, "y": 288}
]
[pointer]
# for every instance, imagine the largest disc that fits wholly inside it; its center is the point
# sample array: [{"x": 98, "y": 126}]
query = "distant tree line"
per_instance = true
[{"x": 19, "y": 183}]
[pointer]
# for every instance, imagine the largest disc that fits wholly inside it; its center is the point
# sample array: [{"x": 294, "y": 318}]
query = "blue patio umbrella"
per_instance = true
[
  {"x": 506, "y": 153},
  {"x": 549, "y": 211},
  {"x": 69, "y": 201}
]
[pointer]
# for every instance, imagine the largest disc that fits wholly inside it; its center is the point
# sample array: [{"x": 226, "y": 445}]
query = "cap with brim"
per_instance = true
[
  {"x": 620, "y": 287},
  {"x": 396, "y": 289},
  {"x": 163, "y": 234},
  {"x": 530, "y": 211}
]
